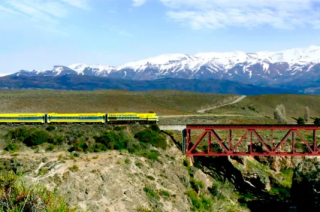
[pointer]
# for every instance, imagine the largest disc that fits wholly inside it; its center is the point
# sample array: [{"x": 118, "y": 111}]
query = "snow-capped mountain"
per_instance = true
[{"x": 254, "y": 68}]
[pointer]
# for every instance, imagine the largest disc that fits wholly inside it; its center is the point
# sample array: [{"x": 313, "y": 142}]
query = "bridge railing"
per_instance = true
[{"x": 251, "y": 140}]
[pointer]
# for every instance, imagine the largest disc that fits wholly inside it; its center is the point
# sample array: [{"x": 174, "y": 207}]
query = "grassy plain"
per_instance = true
[
  {"x": 163, "y": 102},
  {"x": 173, "y": 107},
  {"x": 264, "y": 105}
]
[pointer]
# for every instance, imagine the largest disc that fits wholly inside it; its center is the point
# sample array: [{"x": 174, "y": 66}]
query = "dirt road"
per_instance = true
[{"x": 215, "y": 107}]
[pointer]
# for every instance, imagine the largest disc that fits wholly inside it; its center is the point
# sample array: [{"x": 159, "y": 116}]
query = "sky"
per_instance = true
[{"x": 38, "y": 34}]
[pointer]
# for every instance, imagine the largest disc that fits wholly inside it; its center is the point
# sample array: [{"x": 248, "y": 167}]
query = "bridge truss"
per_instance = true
[{"x": 251, "y": 140}]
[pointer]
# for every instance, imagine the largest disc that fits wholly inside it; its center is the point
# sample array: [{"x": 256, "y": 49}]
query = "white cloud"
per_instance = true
[
  {"x": 4, "y": 9},
  {"x": 212, "y": 14},
  {"x": 43, "y": 14},
  {"x": 31, "y": 12},
  {"x": 83, "y": 4},
  {"x": 138, "y": 3},
  {"x": 45, "y": 10}
]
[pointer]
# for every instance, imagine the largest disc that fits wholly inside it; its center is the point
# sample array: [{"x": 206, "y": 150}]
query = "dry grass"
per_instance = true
[{"x": 162, "y": 102}]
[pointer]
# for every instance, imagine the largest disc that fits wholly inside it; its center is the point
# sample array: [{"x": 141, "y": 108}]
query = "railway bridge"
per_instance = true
[{"x": 248, "y": 140}]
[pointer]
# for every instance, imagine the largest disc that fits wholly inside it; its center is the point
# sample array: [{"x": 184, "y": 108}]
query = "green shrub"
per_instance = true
[
  {"x": 143, "y": 209},
  {"x": 58, "y": 140},
  {"x": 152, "y": 155},
  {"x": 12, "y": 147},
  {"x": 165, "y": 194},
  {"x": 151, "y": 194},
  {"x": 138, "y": 164},
  {"x": 196, "y": 201},
  {"x": 150, "y": 177},
  {"x": 19, "y": 134},
  {"x": 37, "y": 137},
  {"x": 50, "y": 147},
  {"x": 127, "y": 161},
  {"x": 154, "y": 127},
  {"x": 74, "y": 168},
  {"x": 119, "y": 128},
  {"x": 50, "y": 128},
  {"x": 300, "y": 121},
  {"x": 196, "y": 185},
  {"x": 252, "y": 108},
  {"x": 152, "y": 137},
  {"x": 113, "y": 140},
  {"x": 317, "y": 121},
  {"x": 79, "y": 146},
  {"x": 16, "y": 196},
  {"x": 199, "y": 203}
]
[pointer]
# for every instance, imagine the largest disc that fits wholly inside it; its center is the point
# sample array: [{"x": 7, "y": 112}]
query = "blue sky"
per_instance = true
[{"x": 37, "y": 34}]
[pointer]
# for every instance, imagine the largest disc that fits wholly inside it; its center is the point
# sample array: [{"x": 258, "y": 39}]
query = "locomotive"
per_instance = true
[{"x": 69, "y": 118}]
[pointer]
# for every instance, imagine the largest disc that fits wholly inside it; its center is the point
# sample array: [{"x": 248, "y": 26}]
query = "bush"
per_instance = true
[
  {"x": 119, "y": 128},
  {"x": 127, "y": 161},
  {"x": 152, "y": 155},
  {"x": 74, "y": 168},
  {"x": 165, "y": 194},
  {"x": 317, "y": 121},
  {"x": 200, "y": 203},
  {"x": 50, "y": 128},
  {"x": 154, "y": 127},
  {"x": 113, "y": 140},
  {"x": 37, "y": 137},
  {"x": 11, "y": 147},
  {"x": 16, "y": 196},
  {"x": 18, "y": 134},
  {"x": 152, "y": 137},
  {"x": 50, "y": 147},
  {"x": 58, "y": 140},
  {"x": 151, "y": 194},
  {"x": 196, "y": 185},
  {"x": 300, "y": 121}
]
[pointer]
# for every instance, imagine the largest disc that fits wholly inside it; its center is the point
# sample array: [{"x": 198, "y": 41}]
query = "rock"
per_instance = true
[
  {"x": 200, "y": 176},
  {"x": 104, "y": 177},
  {"x": 305, "y": 190}
]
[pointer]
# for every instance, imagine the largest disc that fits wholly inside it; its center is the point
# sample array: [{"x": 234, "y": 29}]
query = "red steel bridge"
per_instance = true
[{"x": 251, "y": 140}]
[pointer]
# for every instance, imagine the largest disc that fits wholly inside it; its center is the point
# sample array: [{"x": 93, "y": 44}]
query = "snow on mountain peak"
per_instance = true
[
  {"x": 78, "y": 67},
  {"x": 232, "y": 65},
  {"x": 162, "y": 61}
]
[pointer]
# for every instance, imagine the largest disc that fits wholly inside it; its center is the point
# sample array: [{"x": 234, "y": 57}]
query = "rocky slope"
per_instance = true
[{"x": 121, "y": 181}]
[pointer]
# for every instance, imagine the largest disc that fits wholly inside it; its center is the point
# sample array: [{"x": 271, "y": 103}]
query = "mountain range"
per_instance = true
[
  {"x": 261, "y": 68},
  {"x": 79, "y": 82},
  {"x": 289, "y": 71}
]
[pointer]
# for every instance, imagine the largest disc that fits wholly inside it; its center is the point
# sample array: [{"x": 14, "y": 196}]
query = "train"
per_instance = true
[{"x": 85, "y": 118}]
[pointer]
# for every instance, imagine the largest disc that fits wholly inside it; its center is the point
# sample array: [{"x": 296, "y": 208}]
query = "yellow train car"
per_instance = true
[
  {"x": 76, "y": 118},
  {"x": 22, "y": 118},
  {"x": 146, "y": 118}
]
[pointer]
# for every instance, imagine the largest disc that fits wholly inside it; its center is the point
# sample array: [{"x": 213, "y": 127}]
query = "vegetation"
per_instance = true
[
  {"x": 74, "y": 168},
  {"x": 30, "y": 136},
  {"x": 317, "y": 121},
  {"x": 16, "y": 196},
  {"x": 301, "y": 121},
  {"x": 12, "y": 147},
  {"x": 141, "y": 141},
  {"x": 152, "y": 136},
  {"x": 161, "y": 102},
  {"x": 199, "y": 202}
]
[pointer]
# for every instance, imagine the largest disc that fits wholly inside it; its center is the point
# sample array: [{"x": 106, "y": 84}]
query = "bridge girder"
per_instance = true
[{"x": 252, "y": 140}]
